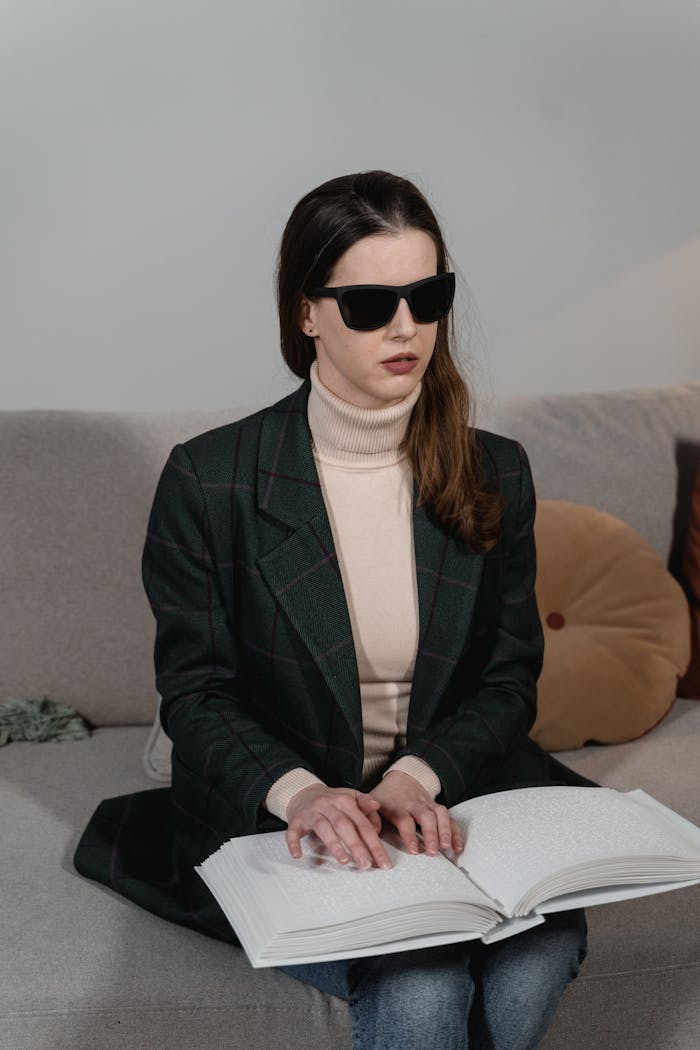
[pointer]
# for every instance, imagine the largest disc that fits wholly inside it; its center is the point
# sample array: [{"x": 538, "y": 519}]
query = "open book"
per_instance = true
[{"x": 528, "y": 851}]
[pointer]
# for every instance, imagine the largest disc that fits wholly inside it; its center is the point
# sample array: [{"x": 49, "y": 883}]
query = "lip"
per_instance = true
[
  {"x": 400, "y": 365},
  {"x": 400, "y": 357}
]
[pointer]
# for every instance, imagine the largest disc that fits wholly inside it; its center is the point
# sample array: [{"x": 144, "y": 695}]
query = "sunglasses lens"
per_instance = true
[
  {"x": 367, "y": 308},
  {"x": 433, "y": 299}
]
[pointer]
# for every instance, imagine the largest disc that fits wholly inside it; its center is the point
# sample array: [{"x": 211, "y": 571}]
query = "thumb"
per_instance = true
[
  {"x": 366, "y": 802},
  {"x": 375, "y": 820}
]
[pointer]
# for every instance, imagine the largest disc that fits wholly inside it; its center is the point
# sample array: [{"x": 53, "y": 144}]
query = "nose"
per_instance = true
[{"x": 402, "y": 325}]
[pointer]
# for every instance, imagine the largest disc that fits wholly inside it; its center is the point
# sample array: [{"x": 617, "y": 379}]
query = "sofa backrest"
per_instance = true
[
  {"x": 76, "y": 489},
  {"x": 75, "y": 493},
  {"x": 619, "y": 451}
]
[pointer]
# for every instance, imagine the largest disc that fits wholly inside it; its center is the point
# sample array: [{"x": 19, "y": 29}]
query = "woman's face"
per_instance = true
[{"x": 351, "y": 364}]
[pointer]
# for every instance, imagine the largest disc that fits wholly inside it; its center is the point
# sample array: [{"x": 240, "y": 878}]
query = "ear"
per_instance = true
[{"x": 306, "y": 317}]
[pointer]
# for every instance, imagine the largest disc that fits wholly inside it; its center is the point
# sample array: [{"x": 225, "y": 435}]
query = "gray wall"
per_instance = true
[{"x": 152, "y": 151}]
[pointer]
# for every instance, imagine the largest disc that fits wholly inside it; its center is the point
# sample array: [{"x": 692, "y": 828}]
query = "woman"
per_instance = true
[{"x": 347, "y": 632}]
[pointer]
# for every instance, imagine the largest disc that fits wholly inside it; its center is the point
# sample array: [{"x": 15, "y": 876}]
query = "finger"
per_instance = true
[
  {"x": 369, "y": 821},
  {"x": 370, "y": 808},
  {"x": 368, "y": 825},
  {"x": 312, "y": 822},
  {"x": 363, "y": 842},
  {"x": 444, "y": 827},
  {"x": 330, "y": 839},
  {"x": 366, "y": 802},
  {"x": 376, "y": 821},
  {"x": 457, "y": 837},
  {"x": 293, "y": 839},
  {"x": 379, "y": 855},
  {"x": 406, "y": 827},
  {"x": 353, "y": 802},
  {"x": 349, "y": 834},
  {"x": 356, "y": 806},
  {"x": 297, "y": 829},
  {"x": 429, "y": 829}
]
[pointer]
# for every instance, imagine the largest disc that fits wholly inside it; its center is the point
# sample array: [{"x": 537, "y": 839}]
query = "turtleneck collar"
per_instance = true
[{"x": 347, "y": 434}]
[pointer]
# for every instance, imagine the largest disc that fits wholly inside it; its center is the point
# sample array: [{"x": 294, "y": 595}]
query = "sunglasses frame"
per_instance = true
[{"x": 401, "y": 291}]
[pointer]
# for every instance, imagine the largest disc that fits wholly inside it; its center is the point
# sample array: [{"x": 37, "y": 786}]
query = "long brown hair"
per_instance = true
[{"x": 439, "y": 443}]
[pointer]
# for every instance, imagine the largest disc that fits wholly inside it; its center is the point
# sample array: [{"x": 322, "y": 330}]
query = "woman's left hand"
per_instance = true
[{"x": 404, "y": 803}]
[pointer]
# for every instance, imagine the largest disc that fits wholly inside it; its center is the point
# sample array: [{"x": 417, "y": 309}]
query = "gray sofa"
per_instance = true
[{"x": 81, "y": 967}]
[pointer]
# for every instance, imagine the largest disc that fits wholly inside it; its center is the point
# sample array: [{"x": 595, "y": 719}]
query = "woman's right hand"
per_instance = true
[{"x": 346, "y": 821}]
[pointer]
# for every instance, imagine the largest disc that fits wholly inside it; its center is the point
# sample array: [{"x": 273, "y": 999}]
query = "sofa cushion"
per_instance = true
[
  {"x": 616, "y": 629},
  {"x": 81, "y": 967}
]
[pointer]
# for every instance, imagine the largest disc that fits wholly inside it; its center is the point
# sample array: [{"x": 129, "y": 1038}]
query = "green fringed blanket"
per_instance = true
[{"x": 39, "y": 720}]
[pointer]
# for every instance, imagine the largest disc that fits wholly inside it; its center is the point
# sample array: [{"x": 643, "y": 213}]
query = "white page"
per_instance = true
[
  {"x": 316, "y": 891},
  {"x": 278, "y": 958},
  {"x": 516, "y": 839},
  {"x": 651, "y": 805},
  {"x": 259, "y": 885},
  {"x": 503, "y": 930},
  {"x": 415, "y": 921},
  {"x": 610, "y": 894}
]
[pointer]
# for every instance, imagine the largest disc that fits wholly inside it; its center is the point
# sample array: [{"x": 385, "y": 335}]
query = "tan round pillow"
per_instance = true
[{"x": 616, "y": 628}]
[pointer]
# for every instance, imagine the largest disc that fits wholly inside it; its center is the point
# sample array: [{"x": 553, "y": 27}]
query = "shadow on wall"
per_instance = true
[{"x": 639, "y": 330}]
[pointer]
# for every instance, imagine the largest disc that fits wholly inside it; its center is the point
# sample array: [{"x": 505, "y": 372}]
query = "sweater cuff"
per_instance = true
[
  {"x": 420, "y": 771},
  {"x": 282, "y": 791}
]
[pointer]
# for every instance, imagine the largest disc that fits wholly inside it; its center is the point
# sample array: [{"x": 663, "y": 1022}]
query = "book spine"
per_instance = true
[{"x": 509, "y": 927}]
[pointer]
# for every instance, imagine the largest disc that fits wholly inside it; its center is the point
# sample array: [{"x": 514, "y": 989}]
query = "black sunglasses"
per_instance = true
[{"x": 364, "y": 307}]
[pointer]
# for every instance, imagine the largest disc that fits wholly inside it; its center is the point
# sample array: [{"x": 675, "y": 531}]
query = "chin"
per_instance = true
[{"x": 396, "y": 388}]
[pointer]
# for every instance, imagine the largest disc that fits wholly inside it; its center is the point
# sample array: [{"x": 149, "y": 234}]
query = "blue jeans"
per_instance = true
[{"x": 501, "y": 996}]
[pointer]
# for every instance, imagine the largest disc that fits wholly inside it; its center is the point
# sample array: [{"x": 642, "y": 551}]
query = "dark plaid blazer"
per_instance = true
[{"x": 256, "y": 666}]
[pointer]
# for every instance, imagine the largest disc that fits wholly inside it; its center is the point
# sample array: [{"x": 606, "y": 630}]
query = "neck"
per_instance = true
[{"x": 347, "y": 433}]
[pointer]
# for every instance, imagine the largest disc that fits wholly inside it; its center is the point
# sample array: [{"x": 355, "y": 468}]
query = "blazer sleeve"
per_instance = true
[
  {"x": 205, "y": 707},
  {"x": 470, "y": 746}
]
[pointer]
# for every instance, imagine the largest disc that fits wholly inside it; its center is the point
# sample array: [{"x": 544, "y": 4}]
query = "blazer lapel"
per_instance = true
[
  {"x": 448, "y": 577},
  {"x": 302, "y": 572}
]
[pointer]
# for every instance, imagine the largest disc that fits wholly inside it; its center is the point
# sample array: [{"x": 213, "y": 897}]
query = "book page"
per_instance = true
[
  {"x": 288, "y": 911},
  {"x": 316, "y": 891},
  {"x": 518, "y": 840},
  {"x": 507, "y": 928},
  {"x": 609, "y": 894}
]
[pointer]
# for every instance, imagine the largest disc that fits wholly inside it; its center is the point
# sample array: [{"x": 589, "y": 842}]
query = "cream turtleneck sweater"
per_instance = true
[{"x": 367, "y": 486}]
